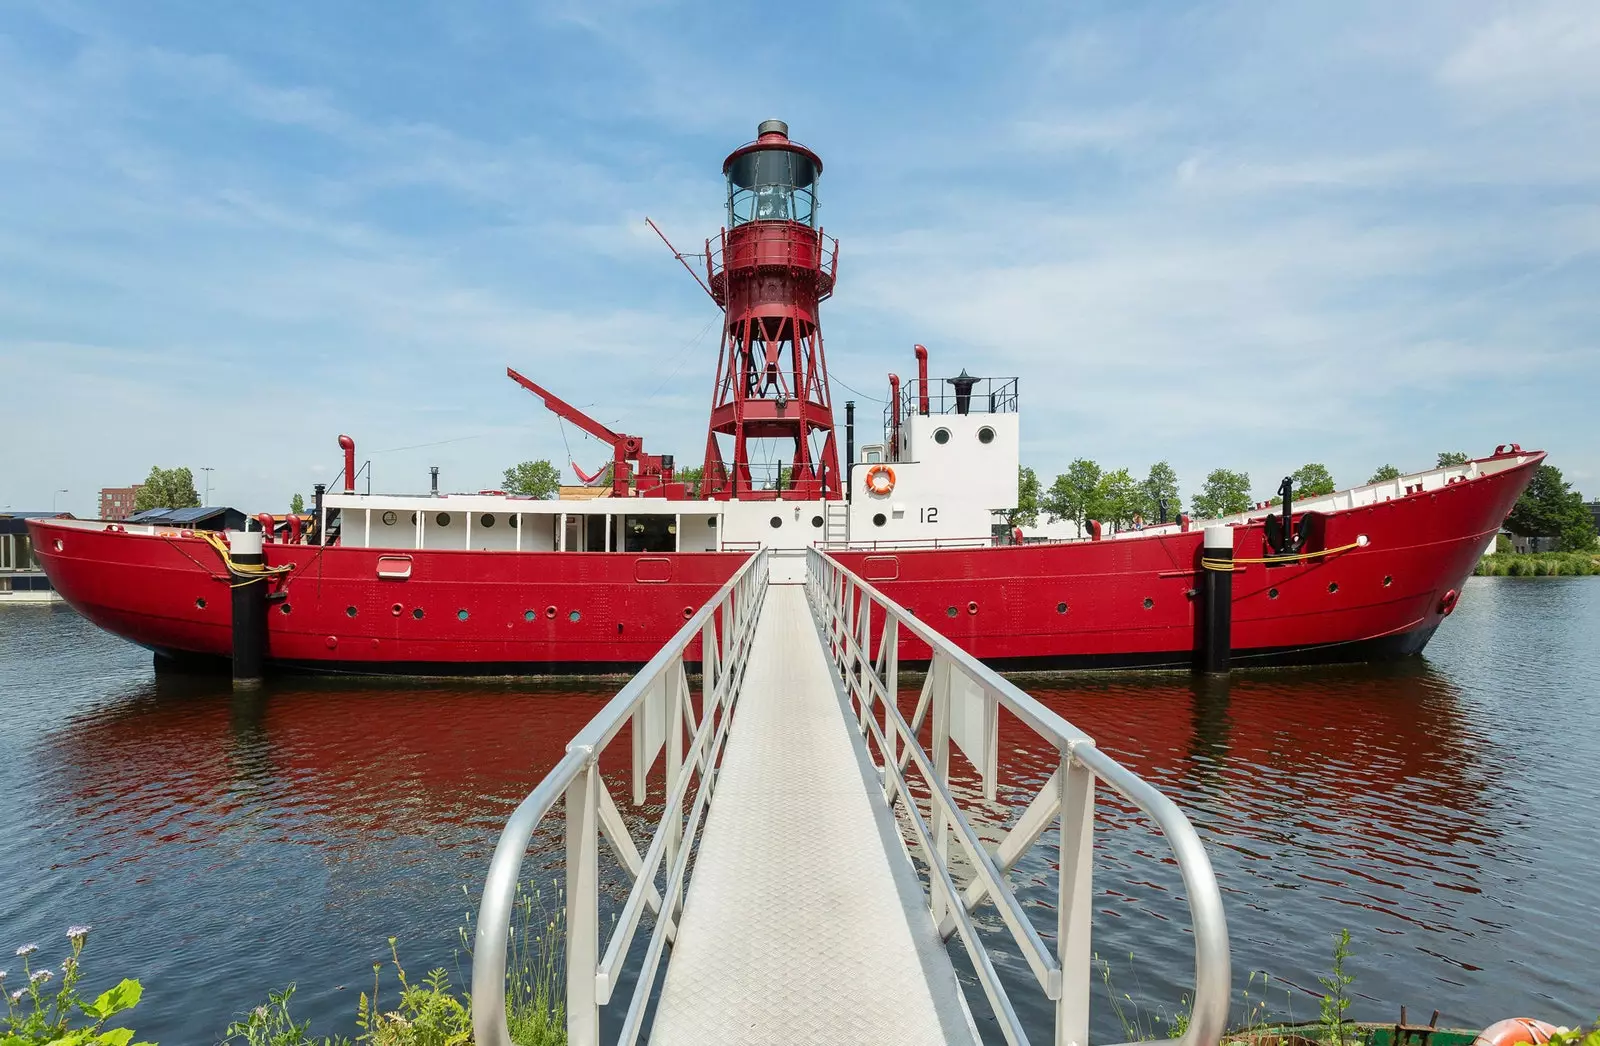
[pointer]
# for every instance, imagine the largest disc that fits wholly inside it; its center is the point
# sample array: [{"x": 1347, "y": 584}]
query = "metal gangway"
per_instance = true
[{"x": 783, "y": 901}]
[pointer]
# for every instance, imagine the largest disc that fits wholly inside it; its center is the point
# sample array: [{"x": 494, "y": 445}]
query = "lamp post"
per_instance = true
[
  {"x": 207, "y": 469},
  {"x": 56, "y": 495}
]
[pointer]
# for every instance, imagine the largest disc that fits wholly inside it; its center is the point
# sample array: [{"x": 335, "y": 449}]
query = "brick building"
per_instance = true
[{"x": 117, "y": 502}]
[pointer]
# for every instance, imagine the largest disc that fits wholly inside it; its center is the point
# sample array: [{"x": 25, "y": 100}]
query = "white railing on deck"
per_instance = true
[
  {"x": 658, "y": 704},
  {"x": 964, "y": 699}
]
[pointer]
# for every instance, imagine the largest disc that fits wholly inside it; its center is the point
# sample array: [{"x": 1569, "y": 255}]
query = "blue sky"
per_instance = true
[{"x": 1246, "y": 235}]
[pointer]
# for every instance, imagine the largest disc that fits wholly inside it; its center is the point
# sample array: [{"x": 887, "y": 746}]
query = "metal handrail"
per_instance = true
[
  {"x": 964, "y": 698},
  {"x": 657, "y": 702}
]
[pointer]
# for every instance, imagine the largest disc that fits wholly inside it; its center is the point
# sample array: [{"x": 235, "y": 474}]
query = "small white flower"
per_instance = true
[
  {"x": 27, "y": 949},
  {"x": 2, "y": 976},
  {"x": 261, "y": 1012},
  {"x": 40, "y": 976},
  {"x": 77, "y": 933},
  {"x": 16, "y": 996}
]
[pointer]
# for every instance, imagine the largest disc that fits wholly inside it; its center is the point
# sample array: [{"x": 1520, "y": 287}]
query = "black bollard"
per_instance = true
[
  {"x": 249, "y": 611},
  {"x": 1217, "y": 587}
]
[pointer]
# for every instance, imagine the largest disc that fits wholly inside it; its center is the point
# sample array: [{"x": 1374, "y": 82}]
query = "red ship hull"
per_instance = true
[{"x": 1126, "y": 603}]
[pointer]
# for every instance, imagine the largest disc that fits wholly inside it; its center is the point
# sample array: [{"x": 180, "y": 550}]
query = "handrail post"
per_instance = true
[
  {"x": 583, "y": 905},
  {"x": 677, "y": 693},
  {"x": 1073, "y": 909},
  {"x": 940, "y": 667},
  {"x": 891, "y": 732}
]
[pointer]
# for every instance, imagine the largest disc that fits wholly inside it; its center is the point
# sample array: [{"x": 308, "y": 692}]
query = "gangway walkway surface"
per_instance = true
[
  {"x": 804, "y": 922},
  {"x": 776, "y": 899}
]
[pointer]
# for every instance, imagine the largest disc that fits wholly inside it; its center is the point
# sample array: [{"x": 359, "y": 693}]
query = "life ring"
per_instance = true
[
  {"x": 1515, "y": 1031},
  {"x": 880, "y": 480}
]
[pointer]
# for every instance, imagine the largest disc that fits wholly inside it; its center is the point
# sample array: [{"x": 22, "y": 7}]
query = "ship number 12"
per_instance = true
[{"x": 929, "y": 515}]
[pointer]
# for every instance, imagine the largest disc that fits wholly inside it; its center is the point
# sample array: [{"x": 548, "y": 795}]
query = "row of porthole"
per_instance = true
[
  {"x": 575, "y": 616},
  {"x": 777, "y": 521},
  {"x": 941, "y": 436},
  {"x": 389, "y": 519}
]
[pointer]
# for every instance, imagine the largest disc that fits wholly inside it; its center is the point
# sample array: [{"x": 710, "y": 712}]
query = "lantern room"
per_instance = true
[{"x": 772, "y": 179}]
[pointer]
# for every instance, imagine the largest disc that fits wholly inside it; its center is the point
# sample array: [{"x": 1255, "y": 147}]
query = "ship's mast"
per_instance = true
[{"x": 769, "y": 269}]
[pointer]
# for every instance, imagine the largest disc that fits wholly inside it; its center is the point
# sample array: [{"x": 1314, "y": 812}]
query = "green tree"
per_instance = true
[
  {"x": 1551, "y": 508},
  {"x": 690, "y": 477},
  {"x": 167, "y": 488},
  {"x": 1452, "y": 457},
  {"x": 1075, "y": 494},
  {"x": 538, "y": 479},
  {"x": 297, "y": 504},
  {"x": 1120, "y": 496},
  {"x": 1384, "y": 472},
  {"x": 1026, "y": 514},
  {"x": 1161, "y": 484},
  {"x": 1224, "y": 494},
  {"x": 1313, "y": 479}
]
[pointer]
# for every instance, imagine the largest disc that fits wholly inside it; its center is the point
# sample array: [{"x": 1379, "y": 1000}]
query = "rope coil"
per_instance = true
[
  {"x": 249, "y": 572},
  {"x": 1229, "y": 564}
]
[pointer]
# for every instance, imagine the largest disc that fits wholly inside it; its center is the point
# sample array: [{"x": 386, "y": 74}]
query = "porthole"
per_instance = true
[
  {"x": 413, "y": 519},
  {"x": 1061, "y": 608},
  {"x": 200, "y": 603},
  {"x": 986, "y": 435},
  {"x": 443, "y": 519},
  {"x": 816, "y": 521},
  {"x": 528, "y": 615},
  {"x": 1387, "y": 580},
  {"x": 417, "y": 613},
  {"x": 284, "y": 608},
  {"x": 389, "y": 518},
  {"x": 462, "y": 615},
  {"x": 574, "y": 616},
  {"x": 941, "y": 436},
  {"x": 950, "y": 612},
  {"x": 514, "y": 521},
  {"x": 349, "y": 611},
  {"x": 488, "y": 519},
  {"x": 776, "y": 521},
  {"x": 1272, "y": 593},
  {"x": 879, "y": 520},
  {"x": 1148, "y": 602},
  {"x": 712, "y": 522},
  {"x": 1333, "y": 586}
]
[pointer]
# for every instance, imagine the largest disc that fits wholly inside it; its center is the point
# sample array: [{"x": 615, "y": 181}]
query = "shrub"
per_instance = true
[{"x": 36, "y": 1016}]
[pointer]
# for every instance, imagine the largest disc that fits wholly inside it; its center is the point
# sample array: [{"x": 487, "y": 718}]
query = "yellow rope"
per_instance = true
[
  {"x": 251, "y": 572},
  {"x": 1229, "y": 564}
]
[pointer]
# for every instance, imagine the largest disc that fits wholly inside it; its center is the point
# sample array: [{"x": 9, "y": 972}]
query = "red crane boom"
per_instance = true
[{"x": 627, "y": 452}]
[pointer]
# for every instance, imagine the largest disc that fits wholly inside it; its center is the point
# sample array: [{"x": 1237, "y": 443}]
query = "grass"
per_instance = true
[
  {"x": 433, "y": 1011},
  {"x": 1538, "y": 564}
]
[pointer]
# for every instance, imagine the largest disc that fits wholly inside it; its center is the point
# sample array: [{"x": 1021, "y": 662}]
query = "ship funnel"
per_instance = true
[{"x": 772, "y": 127}]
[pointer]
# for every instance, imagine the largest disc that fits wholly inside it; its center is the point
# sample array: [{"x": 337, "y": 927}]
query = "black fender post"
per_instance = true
[
  {"x": 249, "y": 610},
  {"x": 1216, "y": 561}
]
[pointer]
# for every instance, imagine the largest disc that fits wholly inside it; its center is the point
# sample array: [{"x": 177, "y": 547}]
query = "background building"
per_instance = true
[{"x": 117, "y": 502}]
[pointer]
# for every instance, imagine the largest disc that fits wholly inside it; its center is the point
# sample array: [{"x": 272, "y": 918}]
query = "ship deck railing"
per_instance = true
[{"x": 814, "y": 807}]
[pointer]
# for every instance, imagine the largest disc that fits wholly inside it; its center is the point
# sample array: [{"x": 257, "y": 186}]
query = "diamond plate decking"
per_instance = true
[{"x": 804, "y": 920}]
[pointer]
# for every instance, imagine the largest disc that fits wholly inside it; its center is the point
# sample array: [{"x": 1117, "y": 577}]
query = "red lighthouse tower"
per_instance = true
[{"x": 769, "y": 269}]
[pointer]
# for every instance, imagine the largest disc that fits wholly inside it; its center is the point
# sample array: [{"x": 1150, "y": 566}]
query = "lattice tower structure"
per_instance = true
[{"x": 769, "y": 269}]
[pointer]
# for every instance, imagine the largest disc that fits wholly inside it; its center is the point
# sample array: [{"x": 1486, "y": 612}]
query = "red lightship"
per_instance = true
[{"x": 489, "y": 584}]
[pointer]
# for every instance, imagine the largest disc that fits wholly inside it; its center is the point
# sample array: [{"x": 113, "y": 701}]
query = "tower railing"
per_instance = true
[
  {"x": 658, "y": 705},
  {"x": 964, "y": 700}
]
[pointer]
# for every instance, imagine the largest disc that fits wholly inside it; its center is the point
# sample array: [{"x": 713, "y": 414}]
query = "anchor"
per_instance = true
[{"x": 1282, "y": 537}]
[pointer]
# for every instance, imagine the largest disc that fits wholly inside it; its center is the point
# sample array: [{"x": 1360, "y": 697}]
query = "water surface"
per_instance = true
[{"x": 1445, "y": 810}]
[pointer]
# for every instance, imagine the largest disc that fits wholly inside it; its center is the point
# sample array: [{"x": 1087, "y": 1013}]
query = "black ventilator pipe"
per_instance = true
[{"x": 849, "y": 445}]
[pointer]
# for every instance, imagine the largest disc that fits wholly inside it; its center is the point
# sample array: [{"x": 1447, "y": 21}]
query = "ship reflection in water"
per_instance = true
[{"x": 223, "y": 845}]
